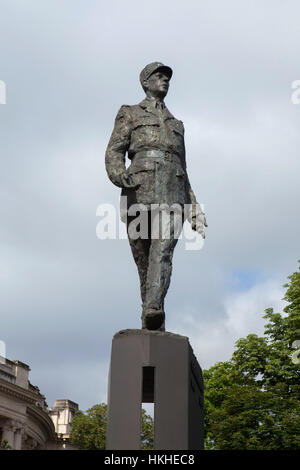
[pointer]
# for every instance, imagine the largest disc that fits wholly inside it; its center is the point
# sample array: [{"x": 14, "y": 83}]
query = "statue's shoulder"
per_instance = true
[
  {"x": 130, "y": 110},
  {"x": 176, "y": 123},
  {"x": 123, "y": 116},
  {"x": 124, "y": 110},
  {"x": 128, "y": 114},
  {"x": 137, "y": 109},
  {"x": 171, "y": 116},
  {"x": 134, "y": 112},
  {"x": 179, "y": 124}
]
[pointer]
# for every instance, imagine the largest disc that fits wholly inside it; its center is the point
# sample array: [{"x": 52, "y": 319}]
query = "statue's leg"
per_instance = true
[
  {"x": 140, "y": 251},
  {"x": 159, "y": 272},
  {"x": 160, "y": 265}
]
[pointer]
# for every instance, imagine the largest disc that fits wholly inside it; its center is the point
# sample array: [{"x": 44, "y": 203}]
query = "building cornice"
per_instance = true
[
  {"x": 33, "y": 408},
  {"x": 18, "y": 392}
]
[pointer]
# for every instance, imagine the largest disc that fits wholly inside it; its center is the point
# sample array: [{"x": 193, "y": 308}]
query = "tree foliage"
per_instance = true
[
  {"x": 253, "y": 400},
  {"x": 89, "y": 429},
  {"x": 4, "y": 445},
  {"x": 147, "y": 432}
]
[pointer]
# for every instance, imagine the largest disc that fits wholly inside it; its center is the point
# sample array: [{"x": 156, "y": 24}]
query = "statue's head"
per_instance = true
[{"x": 155, "y": 78}]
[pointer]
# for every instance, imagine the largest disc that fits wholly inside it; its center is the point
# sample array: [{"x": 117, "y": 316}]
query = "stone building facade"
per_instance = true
[
  {"x": 26, "y": 423},
  {"x": 62, "y": 414}
]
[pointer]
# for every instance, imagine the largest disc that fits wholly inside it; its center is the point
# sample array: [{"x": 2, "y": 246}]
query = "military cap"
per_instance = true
[{"x": 153, "y": 67}]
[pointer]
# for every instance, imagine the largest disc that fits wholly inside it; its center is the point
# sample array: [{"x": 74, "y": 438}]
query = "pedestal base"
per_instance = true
[{"x": 160, "y": 367}]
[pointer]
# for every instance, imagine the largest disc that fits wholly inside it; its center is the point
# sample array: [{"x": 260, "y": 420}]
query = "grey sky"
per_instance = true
[{"x": 68, "y": 67}]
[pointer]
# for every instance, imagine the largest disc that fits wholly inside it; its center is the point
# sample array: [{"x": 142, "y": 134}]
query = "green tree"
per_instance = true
[
  {"x": 4, "y": 445},
  {"x": 253, "y": 400},
  {"x": 89, "y": 429},
  {"x": 147, "y": 433}
]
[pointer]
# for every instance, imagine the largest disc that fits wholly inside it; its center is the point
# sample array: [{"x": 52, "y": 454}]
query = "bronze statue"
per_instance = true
[{"x": 157, "y": 175}]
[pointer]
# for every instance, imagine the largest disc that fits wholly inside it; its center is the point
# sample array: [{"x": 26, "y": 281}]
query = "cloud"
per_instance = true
[{"x": 214, "y": 340}]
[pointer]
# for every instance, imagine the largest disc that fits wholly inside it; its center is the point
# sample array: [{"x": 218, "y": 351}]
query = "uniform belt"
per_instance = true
[
  {"x": 159, "y": 154},
  {"x": 151, "y": 153}
]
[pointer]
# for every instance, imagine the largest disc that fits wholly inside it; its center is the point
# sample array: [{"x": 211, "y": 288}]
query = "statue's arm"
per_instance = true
[
  {"x": 196, "y": 216},
  {"x": 117, "y": 148}
]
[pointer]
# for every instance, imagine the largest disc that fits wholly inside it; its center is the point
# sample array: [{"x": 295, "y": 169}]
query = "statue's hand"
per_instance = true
[
  {"x": 126, "y": 181},
  {"x": 198, "y": 222}
]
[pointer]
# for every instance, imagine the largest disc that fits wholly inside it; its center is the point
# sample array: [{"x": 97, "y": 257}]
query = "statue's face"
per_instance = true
[{"x": 158, "y": 84}]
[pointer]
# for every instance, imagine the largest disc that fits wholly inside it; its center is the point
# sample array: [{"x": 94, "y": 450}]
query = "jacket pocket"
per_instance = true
[{"x": 145, "y": 121}]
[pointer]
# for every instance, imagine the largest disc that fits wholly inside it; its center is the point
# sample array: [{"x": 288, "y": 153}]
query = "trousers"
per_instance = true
[{"x": 152, "y": 249}]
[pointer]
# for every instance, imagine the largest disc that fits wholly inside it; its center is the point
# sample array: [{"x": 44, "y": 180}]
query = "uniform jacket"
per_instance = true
[{"x": 161, "y": 179}]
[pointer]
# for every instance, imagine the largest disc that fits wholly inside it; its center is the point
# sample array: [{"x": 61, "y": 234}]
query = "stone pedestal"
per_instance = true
[{"x": 160, "y": 367}]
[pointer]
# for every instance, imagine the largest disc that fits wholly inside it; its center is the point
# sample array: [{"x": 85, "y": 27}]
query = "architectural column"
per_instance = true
[
  {"x": 8, "y": 431},
  {"x": 20, "y": 429}
]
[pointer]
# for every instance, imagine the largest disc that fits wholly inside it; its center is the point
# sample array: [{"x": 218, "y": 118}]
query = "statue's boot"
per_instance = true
[{"x": 153, "y": 319}]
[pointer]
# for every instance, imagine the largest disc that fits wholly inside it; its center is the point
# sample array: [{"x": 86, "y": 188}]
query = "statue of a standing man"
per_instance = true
[{"x": 157, "y": 175}]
